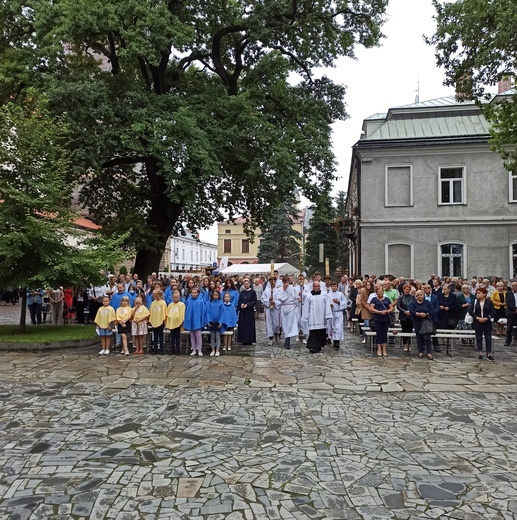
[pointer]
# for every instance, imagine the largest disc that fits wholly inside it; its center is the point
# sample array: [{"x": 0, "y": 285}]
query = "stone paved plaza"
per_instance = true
[{"x": 258, "y": 433}]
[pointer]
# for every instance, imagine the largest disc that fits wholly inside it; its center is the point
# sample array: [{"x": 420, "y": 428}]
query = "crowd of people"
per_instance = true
[
  {"x": 485, "y": 305},
  {"x": 314, "y": 311}
]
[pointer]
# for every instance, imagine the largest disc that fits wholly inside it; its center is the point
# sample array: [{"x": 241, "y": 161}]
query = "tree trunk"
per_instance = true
[
  {"x": 23, "y": 312},
  {"x": 162, "y": 218}
]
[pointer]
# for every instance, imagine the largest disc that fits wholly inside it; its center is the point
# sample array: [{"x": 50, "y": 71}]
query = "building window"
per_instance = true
[
  {"x": 227, "y": 245},
  {"x": 191, "y": 255},
  {"x": 398, "y": 187},
  {"x": 513, "y": 261},
  {"x": 452, "y": 185},
  {"x": 399, "y": 258},
  {"x": 451, "y": 258},
  {"x": 227, "y": 231},
  {"x": 245, "y": 246},
  {"x": 183, "y": 254},
  {"x": 513, "y": 187}
]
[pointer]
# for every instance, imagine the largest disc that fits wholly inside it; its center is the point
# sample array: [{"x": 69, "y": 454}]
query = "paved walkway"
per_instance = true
[{"x": 258, "y": 433}]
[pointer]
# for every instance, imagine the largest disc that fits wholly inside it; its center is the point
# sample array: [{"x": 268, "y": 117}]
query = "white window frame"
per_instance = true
[
  {"x": 463, "y": 186},
  {"x": 464, "y": 259},
  {"x": 510, "y": 265},
  {"x": 386, "y": 169},
  {"x": 411, "y": 252},
  {"x": 512, "y": 178}
]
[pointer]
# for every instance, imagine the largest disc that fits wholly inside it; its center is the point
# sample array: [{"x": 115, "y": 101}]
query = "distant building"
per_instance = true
[
  {"x": 427, "y": 195},
  {"x": 232, "y": 241},
  {"x": 187, "y": 253}
]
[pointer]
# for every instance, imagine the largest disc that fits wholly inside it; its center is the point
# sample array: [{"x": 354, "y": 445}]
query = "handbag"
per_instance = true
[
  {"x": 453, "y": 323},
  {"x": 469, "y": 319},
  {"x": 427, "y": 326}
]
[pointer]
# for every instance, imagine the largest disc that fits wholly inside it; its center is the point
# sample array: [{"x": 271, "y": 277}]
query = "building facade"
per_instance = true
[
  {"x": 427, "y": 196},
  {"x": 187, "y": 253},
  {"x": 233, "y": 243}
]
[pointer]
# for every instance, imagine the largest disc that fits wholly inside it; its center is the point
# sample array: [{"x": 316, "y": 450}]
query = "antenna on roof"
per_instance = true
[{"x": 417, "y": 97}]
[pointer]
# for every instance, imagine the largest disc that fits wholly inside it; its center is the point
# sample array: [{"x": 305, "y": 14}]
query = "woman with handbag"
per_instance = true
[
  {"x": 422, "y": 312},
  {"x": 448, "y": 313},
  {"x": 482, "y": 311},
  {"x": 381, "y": 308},
  {"x": 405, "y": 318}
]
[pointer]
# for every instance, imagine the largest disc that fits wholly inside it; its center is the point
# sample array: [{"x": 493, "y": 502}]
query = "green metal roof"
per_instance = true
[
  {"x": 437, "y": 118},
  {"x": 425, "y": 127}
]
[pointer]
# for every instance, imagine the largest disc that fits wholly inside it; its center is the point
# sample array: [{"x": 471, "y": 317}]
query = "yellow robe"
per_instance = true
[
  {"x": 141, "y": 313},
  {"x": 123, "y": 313},
  {"x": 158, "y": 312},
  {"x": 105, "y": 316},
  {"x": 175, "y": 315}
]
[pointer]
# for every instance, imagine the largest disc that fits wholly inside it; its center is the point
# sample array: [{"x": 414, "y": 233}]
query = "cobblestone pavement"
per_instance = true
[{"x": 258, "y": 433}]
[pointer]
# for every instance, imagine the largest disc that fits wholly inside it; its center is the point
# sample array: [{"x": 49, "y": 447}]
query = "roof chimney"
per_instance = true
[{"x": 504, "y": 84}]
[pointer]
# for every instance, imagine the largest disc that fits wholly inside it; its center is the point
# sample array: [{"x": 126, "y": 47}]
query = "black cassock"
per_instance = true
[{"x": 246, "y": 330}]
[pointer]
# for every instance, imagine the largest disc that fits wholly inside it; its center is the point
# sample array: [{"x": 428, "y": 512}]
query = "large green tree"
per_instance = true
[
  {"x": 39, "y": 244},
  {"x": 280, "y": 241},
  {"x": 181, "y": 108},
  {"x": 476, "y": 44}
]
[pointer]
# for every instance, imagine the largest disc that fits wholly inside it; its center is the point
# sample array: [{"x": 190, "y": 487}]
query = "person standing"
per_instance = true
[
  {"x": 338, "y": 302},
  {"x": 271, "y": 312},
  {"x": 175, "y": 318},
  {"x": 406, "y": 319},
  {"x": 316, "y": 312},
  {"x": 482, "y": 311},
  {"x": 287, "y": 299},
  {"x": 158, "y": 315},
  {"x": 56, "y": 297},
  {"x": 35, "y": 304},
  {"x": 246, "y": 333},
  {"x": 381, "y": 307},
  {"x": 422, "y": 309},
  {"x": 214, "y": 312},
  {"x": 511, "y": 313},
  {"x": 195, "y": 320}
]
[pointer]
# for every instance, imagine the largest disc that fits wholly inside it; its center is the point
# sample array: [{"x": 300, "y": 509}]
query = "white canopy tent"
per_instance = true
[{"x": 282, "y": 268}]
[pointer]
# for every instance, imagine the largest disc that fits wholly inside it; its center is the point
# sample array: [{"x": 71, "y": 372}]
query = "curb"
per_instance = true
[{"x": 53, "y": 345}]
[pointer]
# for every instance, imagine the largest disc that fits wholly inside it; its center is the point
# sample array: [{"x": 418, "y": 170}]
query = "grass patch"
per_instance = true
[{"x": 46, "y": 333}]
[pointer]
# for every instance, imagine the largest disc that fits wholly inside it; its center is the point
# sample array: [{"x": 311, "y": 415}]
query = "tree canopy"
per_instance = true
[
  {"x": 183, "y": 108},
  {"x": 475, "y": 43}
]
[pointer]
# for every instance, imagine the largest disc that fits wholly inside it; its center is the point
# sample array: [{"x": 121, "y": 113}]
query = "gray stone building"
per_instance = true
[{"x": 427, "y": 195}]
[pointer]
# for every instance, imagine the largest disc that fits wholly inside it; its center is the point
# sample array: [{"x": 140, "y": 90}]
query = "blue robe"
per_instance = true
[
  {"x": 228, "y": 317},
  {"x": 195, "y": 314},
  {"x": 214, "y": 310}
]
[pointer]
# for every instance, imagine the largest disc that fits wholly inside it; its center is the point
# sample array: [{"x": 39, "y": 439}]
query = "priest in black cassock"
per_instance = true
[{"x": 247, "y": 301}]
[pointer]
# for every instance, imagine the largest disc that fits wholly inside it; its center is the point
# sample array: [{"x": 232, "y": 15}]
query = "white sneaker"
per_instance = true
[
  {"x": 304, "y": 341},
  {"x": 229, "y": 348},
  {"x": 212, "y": 353},
  {"x": 269, "y": 343},
  {"x": 224, "y": 348},
  {"x": 106, "y": 352},
  {"x": 217, "y": 354},
  {"x": 193, "y": 353},
  {"x": 364, "y": 341},
  {"x": 101, "y": 352},
  {"x": 199, "y": 353}
]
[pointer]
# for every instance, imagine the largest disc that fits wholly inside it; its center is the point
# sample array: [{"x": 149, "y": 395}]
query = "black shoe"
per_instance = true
[
  {"x": 336, "y": 344},
  {"x": 506, "y": 345},
  {"x": 171, "y": 353},
  {"x": 490, "y": 357},
  {"x": 480, "y": 357}
]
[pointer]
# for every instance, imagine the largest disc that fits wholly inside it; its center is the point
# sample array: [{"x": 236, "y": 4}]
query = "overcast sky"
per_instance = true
[{"x": 383, "y": 77}]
